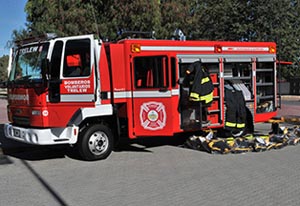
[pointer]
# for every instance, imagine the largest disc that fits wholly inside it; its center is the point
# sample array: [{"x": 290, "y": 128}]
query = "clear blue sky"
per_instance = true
[{"x": 12, "y": 17}]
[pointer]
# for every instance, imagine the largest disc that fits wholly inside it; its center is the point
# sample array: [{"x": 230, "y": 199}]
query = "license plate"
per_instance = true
[{"x": 17, "y": 133}]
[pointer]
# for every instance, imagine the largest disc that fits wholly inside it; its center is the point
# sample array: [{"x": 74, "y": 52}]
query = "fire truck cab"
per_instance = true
[{"x": 80, "y": 90}]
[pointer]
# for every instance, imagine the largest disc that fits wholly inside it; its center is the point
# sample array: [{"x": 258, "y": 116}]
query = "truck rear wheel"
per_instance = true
[{"x": 95, "y": 142}]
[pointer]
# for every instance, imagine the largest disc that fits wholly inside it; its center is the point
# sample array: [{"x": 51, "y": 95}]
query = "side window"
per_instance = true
[
  {"x": 56, "y": 59},
  {"x": 77, "y": 59},
  {"x": 173, "y": 71},
  {"x": 151, "y": 72}
]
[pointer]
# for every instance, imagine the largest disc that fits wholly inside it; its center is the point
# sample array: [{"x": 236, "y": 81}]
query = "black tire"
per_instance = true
[{"x": 95, "y": 142}]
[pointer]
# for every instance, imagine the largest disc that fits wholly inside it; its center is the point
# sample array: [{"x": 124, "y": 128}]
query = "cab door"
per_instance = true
[
  {"x": 72, "y": 82},
  {"x": 151, "y": 96}
]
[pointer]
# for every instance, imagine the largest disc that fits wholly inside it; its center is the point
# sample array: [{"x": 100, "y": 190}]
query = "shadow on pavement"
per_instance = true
[
  {"x": 45, "y": 184},
  {"x": 35, "y": 153},
  {"x": 26, "y": 152},
  {"x": 4, "y": 160},
  {"x": 32, "y": 152},
  {"x": 142, "y": 144}
]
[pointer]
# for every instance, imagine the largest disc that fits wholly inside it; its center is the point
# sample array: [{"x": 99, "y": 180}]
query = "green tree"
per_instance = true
[
  {"x": 236, "y": 20},
  {"x": 140, "y": 15},
  {"x": 64, "y": 17},
  {"x": 76, "y": 17},
  {"x": 276, "y": 20},
  {"x": 3, "y": 67},
  {"x": 174, "y": 15}
]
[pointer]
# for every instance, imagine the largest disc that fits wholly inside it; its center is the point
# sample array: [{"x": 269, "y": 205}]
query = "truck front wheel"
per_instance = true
[{"x": 95, "y": 142}]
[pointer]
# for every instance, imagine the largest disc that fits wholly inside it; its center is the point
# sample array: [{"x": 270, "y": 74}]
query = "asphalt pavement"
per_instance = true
[{"x": 152, "y": 172}]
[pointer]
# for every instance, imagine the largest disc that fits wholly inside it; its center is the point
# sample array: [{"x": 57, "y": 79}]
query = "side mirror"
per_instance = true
[{"x": 54, "y": 90}]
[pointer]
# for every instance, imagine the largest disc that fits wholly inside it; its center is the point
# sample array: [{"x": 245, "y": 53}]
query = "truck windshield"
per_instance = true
[{"x": 27, "y": 64}]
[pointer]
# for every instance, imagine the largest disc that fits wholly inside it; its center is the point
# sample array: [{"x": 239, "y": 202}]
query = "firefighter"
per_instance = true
[{"x": 201, "y": 87}]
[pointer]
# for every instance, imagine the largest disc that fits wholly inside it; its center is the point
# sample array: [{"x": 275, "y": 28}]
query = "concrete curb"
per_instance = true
[
  {"x": 292, "y": 119},
  {"x": 290, "y": 97}
]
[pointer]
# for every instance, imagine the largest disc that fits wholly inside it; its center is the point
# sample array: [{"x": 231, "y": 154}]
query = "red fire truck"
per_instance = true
[{"x": 81, "y": 91}]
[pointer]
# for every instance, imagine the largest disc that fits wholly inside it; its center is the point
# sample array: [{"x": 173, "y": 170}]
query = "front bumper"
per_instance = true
[{"x": 49, "y": 136}]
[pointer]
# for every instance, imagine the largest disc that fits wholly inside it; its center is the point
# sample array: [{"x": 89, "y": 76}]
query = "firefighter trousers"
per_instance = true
[{"x": 235, "y": 110}]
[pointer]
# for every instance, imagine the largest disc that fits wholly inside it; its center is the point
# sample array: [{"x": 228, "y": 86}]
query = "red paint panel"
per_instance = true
[{"x": 153, "y": 117}]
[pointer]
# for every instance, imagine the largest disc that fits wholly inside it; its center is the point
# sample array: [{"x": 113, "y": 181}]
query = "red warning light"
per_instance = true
[{"x": 218, "y": 49}]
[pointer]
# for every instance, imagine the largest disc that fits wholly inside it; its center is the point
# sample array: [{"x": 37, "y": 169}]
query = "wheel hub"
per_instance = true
[{"x": 98, "y": 143}]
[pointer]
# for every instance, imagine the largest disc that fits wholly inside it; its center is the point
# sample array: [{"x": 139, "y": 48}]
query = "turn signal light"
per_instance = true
[
  {"x": 135, "y": 48},
  {"x": 218, "y": 49},
  {"x": 272, "y": 49}
]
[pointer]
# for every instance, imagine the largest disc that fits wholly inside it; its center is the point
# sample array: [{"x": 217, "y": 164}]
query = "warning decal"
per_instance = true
[
  {"x": 77, "y": 86},
  {"x": 153, "y": 115}
]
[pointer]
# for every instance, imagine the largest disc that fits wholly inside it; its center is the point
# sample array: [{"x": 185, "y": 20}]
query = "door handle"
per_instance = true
[{"x": 163, "y": 90}]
